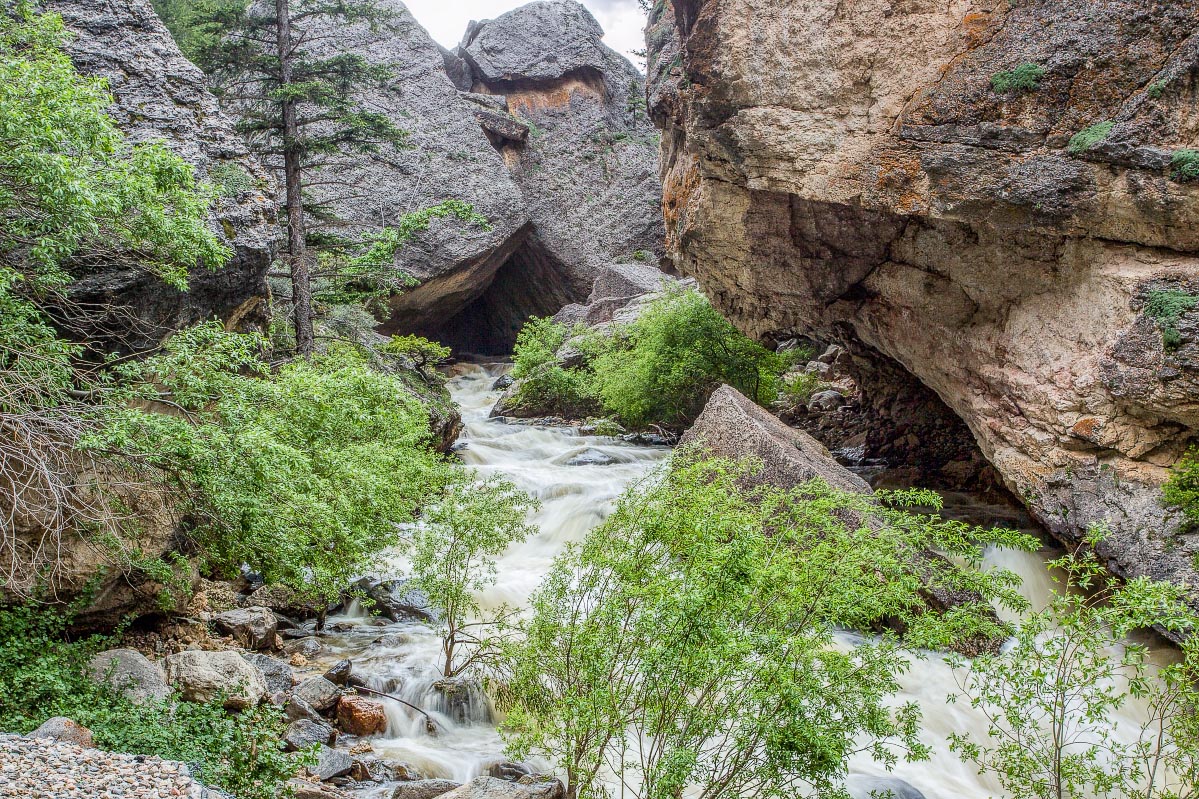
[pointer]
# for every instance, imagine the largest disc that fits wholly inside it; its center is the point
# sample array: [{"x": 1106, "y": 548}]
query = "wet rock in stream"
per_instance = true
[{"x": 423, "y": 789}]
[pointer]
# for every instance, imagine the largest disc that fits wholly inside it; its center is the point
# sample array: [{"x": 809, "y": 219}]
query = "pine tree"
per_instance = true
[{"x": 296, "y": 109}]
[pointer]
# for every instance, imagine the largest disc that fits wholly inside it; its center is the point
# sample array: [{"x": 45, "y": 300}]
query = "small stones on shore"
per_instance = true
[{"x": 42, "y": 767}]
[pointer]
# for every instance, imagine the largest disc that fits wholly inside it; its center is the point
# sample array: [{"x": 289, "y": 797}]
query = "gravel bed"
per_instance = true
[{"x": 43, "y": 768}]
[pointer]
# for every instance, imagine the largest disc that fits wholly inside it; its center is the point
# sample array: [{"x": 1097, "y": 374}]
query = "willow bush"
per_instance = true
[{"x": 689, "y": 643}]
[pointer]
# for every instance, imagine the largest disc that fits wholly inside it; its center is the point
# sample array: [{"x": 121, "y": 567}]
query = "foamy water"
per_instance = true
[{"x": 404, "y": 659}]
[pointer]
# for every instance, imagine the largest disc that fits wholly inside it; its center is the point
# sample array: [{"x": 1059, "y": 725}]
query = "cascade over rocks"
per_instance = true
[
  {"x": 161, "y": 96},
  {"x": 849, "y": 173},
  {"x": 539, "y": 126}
]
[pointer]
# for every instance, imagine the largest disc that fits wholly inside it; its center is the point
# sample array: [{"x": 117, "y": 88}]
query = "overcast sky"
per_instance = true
[{"x": 446, "y": 20}]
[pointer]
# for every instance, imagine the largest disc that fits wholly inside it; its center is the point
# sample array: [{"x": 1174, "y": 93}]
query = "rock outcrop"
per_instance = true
[
  {"x": 588, "y": 168},
  {"x": 158, "y": 95},
  {"x": 537, "y": 125},
  {"x": 850, "y": 171}
]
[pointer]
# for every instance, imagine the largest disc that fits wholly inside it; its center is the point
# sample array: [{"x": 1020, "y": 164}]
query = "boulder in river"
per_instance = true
[
  {"x": 358, "y": 715},
  {"x": 733, "y": 426},
  {"x": 204, "y": 676},
  {"x": 423, "y": 789},
  {"x": 318, "y": 692},
  {"x": 490, "y": 788},
  {"x": 138, "y": 678},
  {"x": 330, "y": 763},
  {"x": 306, "y": 733},
  {"x": 863, "y": 787}
]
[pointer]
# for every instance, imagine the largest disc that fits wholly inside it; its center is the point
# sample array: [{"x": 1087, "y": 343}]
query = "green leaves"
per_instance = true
[
  {"x": 1053, "y": 695},
  {"x": 689, "y": 641},
  {"x": 305, "y": 475},
  {"x": 657, "y": 370},
  {"x": 454, "y": 551}
]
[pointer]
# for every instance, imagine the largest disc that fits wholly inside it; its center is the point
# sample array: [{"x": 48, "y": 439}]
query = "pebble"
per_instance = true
[{"x": 41, "y": 768}]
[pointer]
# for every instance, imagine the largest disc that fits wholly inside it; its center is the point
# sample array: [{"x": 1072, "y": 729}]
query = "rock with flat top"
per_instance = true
[
  {"x": 423, "y": 789},
  {"x": 318, "y": 692},
  {"x": 733, "y": 426}
]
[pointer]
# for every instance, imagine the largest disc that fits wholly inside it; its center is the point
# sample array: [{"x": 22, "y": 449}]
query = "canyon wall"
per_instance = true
[
  {"x": 850, "y": 171},
  {"x": 534, "y": 122},
  {"x": 158, "y": 95}
]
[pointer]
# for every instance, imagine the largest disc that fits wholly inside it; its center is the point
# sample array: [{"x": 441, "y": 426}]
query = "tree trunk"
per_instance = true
[{"x": 301, "y": 284}]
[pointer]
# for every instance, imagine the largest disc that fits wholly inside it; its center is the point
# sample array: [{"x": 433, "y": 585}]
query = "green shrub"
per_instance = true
[
  {"x": 231, "y": 179},
  {"x": 1089, "y": 137},
  {"x": 1185, "y": 165},
  {"x": 544, "y": 382},
  {"x": 1166, "y": 307},
  {"x": 661, "y": 369},
  {"x": 798, "y": 388},
  {"x": 1182, "y": 489},
  {"x": 1024, "y": 78},
  {"x": 304, "y": 474},
  {"x": 42, "y": 674},
  {"x": 1157, "y": 89},
  {"x": 658, "y": 370},
  {"x": 1052, "y": 696},
  {"x": 699, "y": 618}
]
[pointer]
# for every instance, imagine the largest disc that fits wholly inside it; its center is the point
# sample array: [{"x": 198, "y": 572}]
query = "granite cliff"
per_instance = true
[{"x": 866, "y": 173}]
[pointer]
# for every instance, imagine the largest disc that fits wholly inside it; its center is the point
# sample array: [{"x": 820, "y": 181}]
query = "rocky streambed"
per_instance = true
[{"x": 368, "y": 688}]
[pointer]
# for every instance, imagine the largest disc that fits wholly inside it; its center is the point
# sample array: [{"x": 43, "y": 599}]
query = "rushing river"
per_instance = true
[{"x": 402, "y": 659}]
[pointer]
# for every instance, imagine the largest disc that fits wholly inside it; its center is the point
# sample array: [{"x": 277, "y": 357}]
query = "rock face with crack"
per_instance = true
[
  {"x": 853, "y": 172},
  {"x": 158, "y": 95}
]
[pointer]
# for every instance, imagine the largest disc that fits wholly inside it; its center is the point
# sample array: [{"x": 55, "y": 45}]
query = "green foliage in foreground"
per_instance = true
[
  {"x": 1053, "y": 696},
  {"x": 42, "y": 676},
  {"x": 71, "y": 188},
  {"x": 1024, "y": 78},
  {"x": 1182, "y": 489},
  {"x": 658, "y": 370},
  {"x": 454, "y": 551},
  {"x": 1166, "y": 307},
  {"x": 304, "y": 474},
  {"x": 1184, "y": 165},
  {"x": 700, "y": 621},
  {"x": 1088, "y": 137}
]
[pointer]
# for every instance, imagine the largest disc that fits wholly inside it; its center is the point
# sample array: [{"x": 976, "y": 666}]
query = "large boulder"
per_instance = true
[
  {"x": 131, "y": 673},
  {"x": 588, "y": 169},
  {"x": 733, "y": 426},
  {"x": 158, "y": 95},
  {"x": 850, "y": 172},
  {"x": 253, "y": 628},
  {"x": 206, "y": 676}
]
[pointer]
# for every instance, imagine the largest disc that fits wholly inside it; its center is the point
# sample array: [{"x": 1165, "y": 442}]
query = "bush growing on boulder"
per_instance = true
[
  {"x": 659, "y": 369},
  {"x": 699, "y": 621}
]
